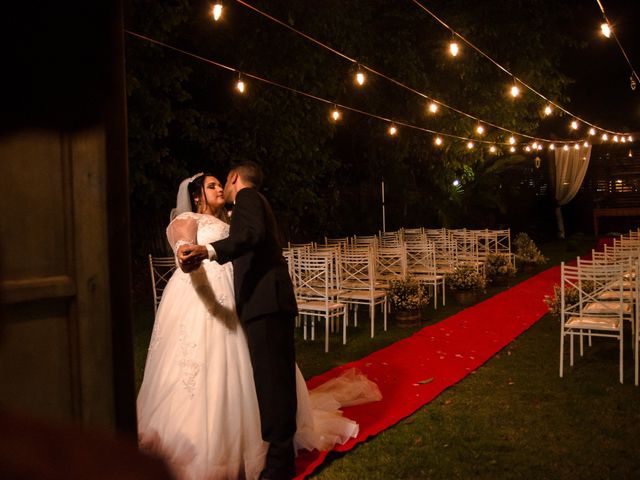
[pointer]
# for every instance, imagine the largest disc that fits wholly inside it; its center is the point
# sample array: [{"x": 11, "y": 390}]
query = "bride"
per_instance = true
[{"x": 197, "y": 406}]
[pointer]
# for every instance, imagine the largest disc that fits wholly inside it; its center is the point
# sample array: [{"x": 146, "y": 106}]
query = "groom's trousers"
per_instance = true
[{"x": 272, "y": 349}]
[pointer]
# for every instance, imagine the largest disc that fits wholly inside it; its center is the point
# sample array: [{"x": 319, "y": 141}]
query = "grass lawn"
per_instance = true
[{"x": 512, "y": 418}]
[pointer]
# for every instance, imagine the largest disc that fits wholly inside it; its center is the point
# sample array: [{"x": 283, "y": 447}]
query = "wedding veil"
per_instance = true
[{"x": 183, "y": 200}]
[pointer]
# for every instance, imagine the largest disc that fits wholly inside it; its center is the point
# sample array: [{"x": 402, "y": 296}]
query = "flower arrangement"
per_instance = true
[
  {"x": 527, "y": 251},
  {"x": 406, "y": 295},
  {"x": 466, "y": 278},
  {"x": 498, "y": 265},
  {"x": 571, "y": 296}
]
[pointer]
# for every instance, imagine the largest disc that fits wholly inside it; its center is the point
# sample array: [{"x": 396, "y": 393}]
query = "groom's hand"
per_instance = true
[{"x": 190, "y": 257}]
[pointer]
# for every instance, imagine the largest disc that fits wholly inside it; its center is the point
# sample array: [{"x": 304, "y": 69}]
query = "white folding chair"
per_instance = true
[
  {"x": 161, "y": 269},
  {"x": 314, "y": 295},
  {"x": 357, "y": 277},
  {"x": 421, "y": 265},
  {"x": 592, "y": 313}
]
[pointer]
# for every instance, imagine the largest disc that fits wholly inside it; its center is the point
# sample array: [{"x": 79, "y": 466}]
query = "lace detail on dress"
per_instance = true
[{"x": 189, "y": 367}]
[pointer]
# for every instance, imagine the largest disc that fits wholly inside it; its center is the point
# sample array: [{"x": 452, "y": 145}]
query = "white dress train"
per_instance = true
[{"x": 197, "y": 406}]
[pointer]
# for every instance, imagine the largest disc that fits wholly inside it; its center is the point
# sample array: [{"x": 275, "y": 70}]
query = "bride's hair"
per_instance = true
[{"x": 197, "y": 190}]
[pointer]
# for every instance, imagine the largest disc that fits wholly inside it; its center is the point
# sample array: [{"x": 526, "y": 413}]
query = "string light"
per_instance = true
[
  {"x": 335, "y": 114},
  {"x": 605, "y": 137},
  {"x": 585, "y": 144},
  {"x": 505, "y": 70},
  {"x": 605, "y": 28},
  {"x": 574, "y": 125},
  {"x": 630, "y": 138},
  {"x": 592, "y": 131},
  {"x": 615, "y": 138},
  {"x": 240, "y": 86},
  {"x": 515, "y": 91},
  {"x": 479, "y": 129},
  {"x": 216, "y": 11},
  {"x": 470, "y": 145},
  {"x": 512, "y": 149},
  {"x": 433, "y": 107},
  {"x": 527, "y": 148},
  {"x": 392, "y": 130},
  {"x": 623, "y": 139},
  {"x": 360, "y": 77},
  {"x": 492, "y": 149},
  {"x": 512, "y": 140},
  {"x": 535, "y": 145},
  {"x": 630, "y": 154},
  {"x": 552, "y": 147},
  {"x": 548, "y": 110},
  {"x": 565, "y": 148},
  {"x": 576, "y": 147},
  {"x": 438, "y": 141},
  {"x": 454, "y": 48},
  {"x": 539, "y": 147}
]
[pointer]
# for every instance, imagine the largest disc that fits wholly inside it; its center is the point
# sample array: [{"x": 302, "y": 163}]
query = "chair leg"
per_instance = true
[
  {"x": 385, "y": 314},
  {"x": 621, "y": 352},
  {"x": 345, "y": 320},
  {"x": 561, "y": 353},
  {"x": 303, "y": 319},
  {"x": 571, "y": 349},
  {"x": 326, "y": 334},
  {"x": 372, "y": 314},
  {"x": 435, "y": 296},
  {"x": 355, "y": 315}
]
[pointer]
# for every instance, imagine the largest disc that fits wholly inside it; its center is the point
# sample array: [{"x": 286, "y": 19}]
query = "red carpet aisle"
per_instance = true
[{"x": 445, "y": 352}]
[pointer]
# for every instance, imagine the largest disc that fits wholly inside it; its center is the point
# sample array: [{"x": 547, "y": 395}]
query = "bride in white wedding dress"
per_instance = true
[{"x": 197, "y": 406}]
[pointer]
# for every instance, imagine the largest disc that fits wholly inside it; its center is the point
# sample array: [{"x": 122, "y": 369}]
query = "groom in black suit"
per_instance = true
[{"x": 266, "y": 306}]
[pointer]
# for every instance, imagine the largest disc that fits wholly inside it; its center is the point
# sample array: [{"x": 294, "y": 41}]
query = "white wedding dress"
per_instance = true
[{"x": 197, "y": 406}]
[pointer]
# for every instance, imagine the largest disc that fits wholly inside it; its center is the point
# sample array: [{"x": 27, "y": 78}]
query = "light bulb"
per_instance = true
[
  {"x": 492, "y": 149},
  {"x": 540, "y": 147},
  {"x": 527, "y": 148},
  {"x": 615, "y": 138},
  {"x": 433, "y": 107},
  {"x": 574, "y": 125},
  {"x": 566, "y": 148},
  {"x": 438, "y": 141},
  {"x": 630, "y": 153},
  {"x": 240, "y": 86},
  {"x": 592, "y": 131},
  {"x": 630, "y": 138},
  {"x": 585, "y": 144},
  {"x": 552, "y": 147},
  {"x": 217, "y": 11},
  {"x": 515, "y": 91},
  {"x": 535, "y": 145},
  {"x": 479, "y": 129},
  {"x": 335, "y": 114},
  {"x": 623, "y": 139},
  {"x": 470, "y": 145},
  {"x": 393, "y": 130},
  {"x": 454, "y": 49},
  {"x": 456, "y": 182},
  {"x": 548, "y": 110},
  {"x": 605, "y": 28},
  {"x": 576, "y": 147},
  {"x": 512, "y": 140},
  {"x": 605, "y": 137},
  {"x": 360, "y": 78},
  {"x": 512, "y": 149}
]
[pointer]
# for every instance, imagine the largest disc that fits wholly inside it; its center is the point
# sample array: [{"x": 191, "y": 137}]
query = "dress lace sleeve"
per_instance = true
[{"x": 182, "y": 230}]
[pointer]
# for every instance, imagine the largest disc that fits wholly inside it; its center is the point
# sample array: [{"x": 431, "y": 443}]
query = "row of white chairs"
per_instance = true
[{"x": 599, "y": 296}]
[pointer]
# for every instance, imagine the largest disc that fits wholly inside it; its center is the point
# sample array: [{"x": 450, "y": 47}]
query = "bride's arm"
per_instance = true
[{"x": 181, "y": 231}]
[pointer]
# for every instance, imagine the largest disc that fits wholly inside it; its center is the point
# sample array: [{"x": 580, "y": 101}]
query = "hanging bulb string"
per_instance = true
[
  {"x": 524, "y": 84},
  {"x": 615, "y": 37},
  {"x": 410, "y": 89},
  {"x": 317, "y": 98}
]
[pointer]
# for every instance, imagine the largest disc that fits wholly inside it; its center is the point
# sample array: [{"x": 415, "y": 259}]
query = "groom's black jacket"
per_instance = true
[{"x": 261, "y": 278}]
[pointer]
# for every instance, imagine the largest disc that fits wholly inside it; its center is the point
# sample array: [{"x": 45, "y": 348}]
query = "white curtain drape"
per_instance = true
[{"x": 571, "y": 167}]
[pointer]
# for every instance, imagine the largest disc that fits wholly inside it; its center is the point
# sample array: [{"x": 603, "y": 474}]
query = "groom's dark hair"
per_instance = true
[{"x": 250, "y": 173}]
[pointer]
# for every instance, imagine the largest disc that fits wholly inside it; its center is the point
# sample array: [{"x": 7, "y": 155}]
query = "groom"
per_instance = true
[{"x": 266, "y": 306}]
